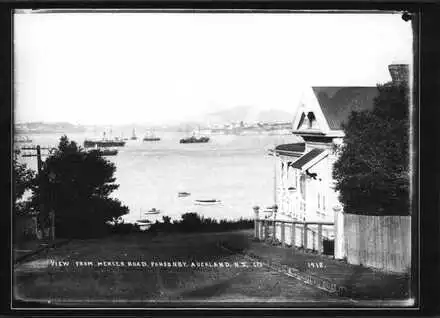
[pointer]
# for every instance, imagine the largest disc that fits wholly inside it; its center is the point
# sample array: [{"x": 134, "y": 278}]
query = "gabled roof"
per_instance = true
[
  {"x": 301, "y": 162},
  {"x": 338, "y": 102}
]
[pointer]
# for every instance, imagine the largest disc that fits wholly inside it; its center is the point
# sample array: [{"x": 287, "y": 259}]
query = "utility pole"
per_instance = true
[{"x": 43, "y": 211}]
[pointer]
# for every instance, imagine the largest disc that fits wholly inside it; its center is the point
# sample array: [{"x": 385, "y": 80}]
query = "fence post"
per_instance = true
[
  {"x": 274, "y": 235},
  {"x": 283, "y": 241},
  {"x": 305, "y": 236},
  {"x": 256, "y": 222},
  {"x": 266, "y": 229},
  {"x": 293, "y": 237},
  {"x": 340, "y": 248},
  {"x": 319, "y": 238}
]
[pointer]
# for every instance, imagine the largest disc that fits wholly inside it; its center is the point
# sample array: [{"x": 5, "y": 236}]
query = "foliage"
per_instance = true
[
  {"x": 125, "y": 228},
  {"x": 372, "y": 172},
  {"x": 76, "y": 185},
  {"x": 22, "y": 179},
  {"x": 192, "y": 222}
]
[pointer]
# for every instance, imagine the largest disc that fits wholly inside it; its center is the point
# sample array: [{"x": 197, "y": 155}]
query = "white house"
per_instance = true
[
  {"x": 304, "y": 183},
  {"x": 305, "y": 187}
]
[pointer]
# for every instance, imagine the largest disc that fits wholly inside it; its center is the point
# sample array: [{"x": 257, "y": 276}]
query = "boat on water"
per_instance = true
[
  {"x": 104, "y": 142},
  {"x": 143, "y": 221},
  {"x": 133, "y": 135},
  {"x": 207, "y": 202},
  {"x": 194, "y": 139},
  {"x": 152, "y": 211},
  {"x": 106, "y": 151},
  {"x": 184, "y": 194},
  {"x": 150, "y": 137},
  {"x": 88, "y": 143}
]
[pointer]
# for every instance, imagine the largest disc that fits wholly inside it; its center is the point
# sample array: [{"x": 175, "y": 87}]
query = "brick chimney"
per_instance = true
[{"x": 399, "y": 73}]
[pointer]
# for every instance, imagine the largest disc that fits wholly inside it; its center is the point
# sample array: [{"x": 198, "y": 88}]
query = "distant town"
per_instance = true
[
  {"x": 235, "y": 128},
  {"x": 239, "y": 120}
]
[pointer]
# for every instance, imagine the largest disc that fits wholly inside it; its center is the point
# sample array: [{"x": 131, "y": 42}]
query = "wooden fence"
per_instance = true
[
  {"x": 382, "y": 242},
  {"x": 294, "y": 233}
]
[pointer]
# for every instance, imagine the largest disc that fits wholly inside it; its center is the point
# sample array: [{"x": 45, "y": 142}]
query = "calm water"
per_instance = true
[{"x": 233, "y": 169}]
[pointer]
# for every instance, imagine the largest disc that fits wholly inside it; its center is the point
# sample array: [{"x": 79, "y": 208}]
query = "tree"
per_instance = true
[
  {"x": 76, "y": 185},
  {"x": 22, "y": 179},
  {"x": 371, "y": 173}
]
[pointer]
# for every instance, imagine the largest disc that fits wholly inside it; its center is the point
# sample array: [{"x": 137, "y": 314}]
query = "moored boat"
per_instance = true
[
  {"x": 207, "y": 202},
  {"x": 104, "y": 142},
  {"x": 133, "y": 136},
  {"x": 194, "y": 139},
  {"x": 152, "y": 211},
  {"x": 143, "y": 221},
  {"x": 150, "y": 137},
  {"x": 184, "y": 194},
  {"x": 108, "y": 152}
]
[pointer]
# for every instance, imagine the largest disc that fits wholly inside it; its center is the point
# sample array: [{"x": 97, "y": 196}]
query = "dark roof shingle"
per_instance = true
[
  {"x": 298, "y": 164},
  {"x": 295, "y": 147},
  {"x": 338, "y": 102}
]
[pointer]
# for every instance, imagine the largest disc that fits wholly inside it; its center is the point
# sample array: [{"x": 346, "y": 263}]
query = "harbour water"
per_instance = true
[{"x": 230, "y": 168}]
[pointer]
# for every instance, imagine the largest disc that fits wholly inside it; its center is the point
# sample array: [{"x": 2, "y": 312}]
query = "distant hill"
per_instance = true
[
  {"x": 275, "y": 115},
  {"x": 43, "y": 127},
  {"x": 249, "y": 114}
]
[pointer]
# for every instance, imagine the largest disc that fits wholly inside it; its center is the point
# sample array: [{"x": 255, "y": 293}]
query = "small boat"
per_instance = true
[
  {"x": 133, "y": 136},
  {"x": 272, "y": 207},
  {"x": 153, "y": 211},
  {"x": 184, "y": 194},
  {"x": 145, "y": 221},
  {"x": 207, "y": 202}
]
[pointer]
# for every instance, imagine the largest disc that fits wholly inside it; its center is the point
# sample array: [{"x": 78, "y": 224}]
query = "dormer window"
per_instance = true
[
  {"x": 311, "y": 120},
  {"x": 308, "y": 121}
]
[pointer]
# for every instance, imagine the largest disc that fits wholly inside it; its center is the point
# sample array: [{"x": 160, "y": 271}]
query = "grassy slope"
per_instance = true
[{"x": 139, "y": 285}]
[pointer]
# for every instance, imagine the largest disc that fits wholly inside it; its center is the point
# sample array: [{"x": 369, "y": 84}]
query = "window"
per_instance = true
[{"x": 311, "y": 119}]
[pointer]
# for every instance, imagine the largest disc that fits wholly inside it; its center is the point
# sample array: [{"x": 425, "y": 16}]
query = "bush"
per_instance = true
[
  {"x": 192, "y": 222},
  {"x": 125, "y": 228}
]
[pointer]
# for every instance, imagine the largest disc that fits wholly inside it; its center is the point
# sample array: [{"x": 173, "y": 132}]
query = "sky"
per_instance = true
[{"x": 121, "y": 68}]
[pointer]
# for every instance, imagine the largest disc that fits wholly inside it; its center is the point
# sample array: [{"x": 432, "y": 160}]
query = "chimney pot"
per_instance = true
[{"x": 399, "y": 73}]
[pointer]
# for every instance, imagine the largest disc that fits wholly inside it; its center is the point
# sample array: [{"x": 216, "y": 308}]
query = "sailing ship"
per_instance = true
[
  {"x": 194, "y": 139},
  {"x": 149, "y": 136},
  {"x": 104, "y": 142}
]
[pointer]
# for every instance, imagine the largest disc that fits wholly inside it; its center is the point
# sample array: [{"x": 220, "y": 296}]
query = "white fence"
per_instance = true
[
  {"x": 292, "y": 233},
  {"x": 382, "y": 242}
]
